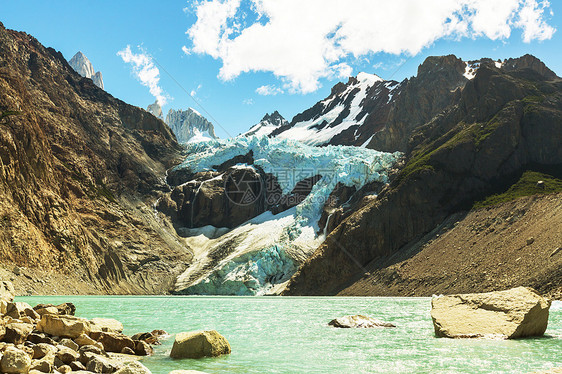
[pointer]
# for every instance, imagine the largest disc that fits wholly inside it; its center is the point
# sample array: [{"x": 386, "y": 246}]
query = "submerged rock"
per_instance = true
[
  {"x": 358, "y": 321},
  {"x": 199, "y": 344},
  {"x": 514, "y": 313}
]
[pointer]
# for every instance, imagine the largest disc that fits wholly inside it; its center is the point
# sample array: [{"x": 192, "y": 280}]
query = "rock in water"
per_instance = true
[
  {"x": 358, "y": 321},
  {"x": 514, "y": 313},
  {"x": 199, "y": 344}
]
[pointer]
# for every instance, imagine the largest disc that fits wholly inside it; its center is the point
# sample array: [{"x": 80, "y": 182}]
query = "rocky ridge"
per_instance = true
[
  {"x": 268, "y": 124},
  {"x": 77, "y": 172},
  {"x": 84, "y": 67},
  {"x": 500, "y": 123},
  {"x": 189, "y": 125}
]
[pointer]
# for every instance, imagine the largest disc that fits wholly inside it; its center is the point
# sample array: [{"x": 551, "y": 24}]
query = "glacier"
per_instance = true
[{"x": 269, "y": 248}]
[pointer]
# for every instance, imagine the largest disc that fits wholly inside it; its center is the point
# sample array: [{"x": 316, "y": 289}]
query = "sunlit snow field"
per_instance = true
[{"x": 291, "y": 335}]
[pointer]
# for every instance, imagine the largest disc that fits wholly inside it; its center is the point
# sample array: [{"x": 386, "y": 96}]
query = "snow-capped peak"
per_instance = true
[
  {"x": 267, "y": 125},
  {"x": 369, "y": 79},
  {"x": 189, "y": 125}
]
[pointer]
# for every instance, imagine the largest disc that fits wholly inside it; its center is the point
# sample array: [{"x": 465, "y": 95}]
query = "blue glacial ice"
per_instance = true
[{"x": 250, "y": 270}]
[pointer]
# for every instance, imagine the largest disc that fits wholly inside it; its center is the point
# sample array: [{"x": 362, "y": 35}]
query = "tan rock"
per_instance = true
[
  {"x": 64, "y": 326},
  {"x": 47, "y": 310},
  {"x": 199, "y": 344},
  {"x": 514, "y": 313},
  {"x": 106, "y": 324},
  {"x": 133, "y": 368},
  {"x": 113, "y": 341},
  {"x": 7, "y": 291},
  {"x": 142, "y": 348},
  {"x": 15, "y": 361},
  {"x": 17, "y": 332},
  {"x": 84, "y": 340},
  {"x": 42, "y": 349},
  {"x": 69, "y": 344},
  {"x": 67, "y": 355},
  {"x": 43, "y": 366},
  {"x": 20, "y": 309},
  {"x": 64, "y": 369},
  {"x": 358, "y": 321}
]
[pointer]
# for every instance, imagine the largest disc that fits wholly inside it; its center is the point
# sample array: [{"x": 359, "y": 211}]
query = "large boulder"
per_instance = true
[
  {"x": 15, "y": 361},
  {"x": 113, "y": 341},
  {"x": 7, "y": 291},
  {"x": 106, "y": 324},
  {"x": 19, "y": 309},
  {"x": 514, "y": 313},
  {"x": 64, "y": 326},
  {"x": 358, "y": 321},
  {"x": 17, "y": 332},
  {"x": 199, "y": 344}
]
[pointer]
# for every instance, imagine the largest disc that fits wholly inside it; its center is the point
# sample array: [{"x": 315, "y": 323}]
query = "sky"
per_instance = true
[{"x": 236, "y": 60}]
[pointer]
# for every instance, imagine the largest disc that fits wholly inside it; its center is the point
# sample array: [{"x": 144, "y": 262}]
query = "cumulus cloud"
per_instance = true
[
  {"x": 302, "y": 42},
  {"x": 269, "y": 90},
  {"x": 145, "y": 71}
]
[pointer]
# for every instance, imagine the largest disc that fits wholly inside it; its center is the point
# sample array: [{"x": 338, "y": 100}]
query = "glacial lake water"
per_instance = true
[{"x": 291, "y": 335}]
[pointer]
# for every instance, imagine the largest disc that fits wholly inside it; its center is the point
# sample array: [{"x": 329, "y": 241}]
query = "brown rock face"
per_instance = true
[
  {"x": 512, "y": 314},
  {"x": 76, "y": 166},
  {"x": 502, "y": 124}
]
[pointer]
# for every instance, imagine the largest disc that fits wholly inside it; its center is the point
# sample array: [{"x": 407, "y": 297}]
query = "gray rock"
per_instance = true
[
  {"x": 80, "y": 63},
  {"x": 358, "y": 321},
  {"x": 187, "y": 124}
]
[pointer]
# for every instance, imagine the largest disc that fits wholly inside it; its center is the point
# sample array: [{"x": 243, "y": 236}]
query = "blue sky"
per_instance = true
[{"x": 297, "y": 49}]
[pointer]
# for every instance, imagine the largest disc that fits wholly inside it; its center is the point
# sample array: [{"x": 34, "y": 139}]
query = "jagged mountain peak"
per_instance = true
[
  {"x": 155, "y": 109},
  {"x": 82, "y": 65},
  {"x": 190, "y": 126},
  {"x": 268, "y": 124}
]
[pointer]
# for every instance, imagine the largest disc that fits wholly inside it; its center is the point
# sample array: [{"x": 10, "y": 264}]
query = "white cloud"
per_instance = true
[
  {"x": 269, "y": 90},
  {"x": 145, "y": 71},
  {"x": 248, "y": 101},
  {"x": 194, "y": 91},
  {"x": 302, "y": 42},
  {"x": 186, "y": 50}
]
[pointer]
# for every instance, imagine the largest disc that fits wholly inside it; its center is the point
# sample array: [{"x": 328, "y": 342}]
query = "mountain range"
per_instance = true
[{"x": 99, "y": 196}]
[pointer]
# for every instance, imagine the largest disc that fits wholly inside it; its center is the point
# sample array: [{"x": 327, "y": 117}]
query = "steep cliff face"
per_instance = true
[
  {"x": 501, "y": 123},
  {"x": 268, "y": 124},
  {"x": 77, "y": 169},
  {"x": 84, "y": 67},
  {"x": 190, "y": 126}
]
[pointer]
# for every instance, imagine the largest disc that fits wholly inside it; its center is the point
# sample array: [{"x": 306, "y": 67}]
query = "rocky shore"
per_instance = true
[{"x": 49, "y": 338}]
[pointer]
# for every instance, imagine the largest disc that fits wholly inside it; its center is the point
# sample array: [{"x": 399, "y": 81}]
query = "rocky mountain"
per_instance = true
[
  {"x": 190, "y": 126},
  {"x": 504, "y": 120},
  {"x": 155, "y": 109},
  {"x": 79, "y": 170},
  {"x": 371, "y": 112},
  {"x": 268, "y": 124},
  {"x": 84, "y": 67}
]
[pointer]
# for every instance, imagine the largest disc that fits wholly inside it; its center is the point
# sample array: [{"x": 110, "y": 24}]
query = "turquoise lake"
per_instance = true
[{"x": 291, "y": 335}]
